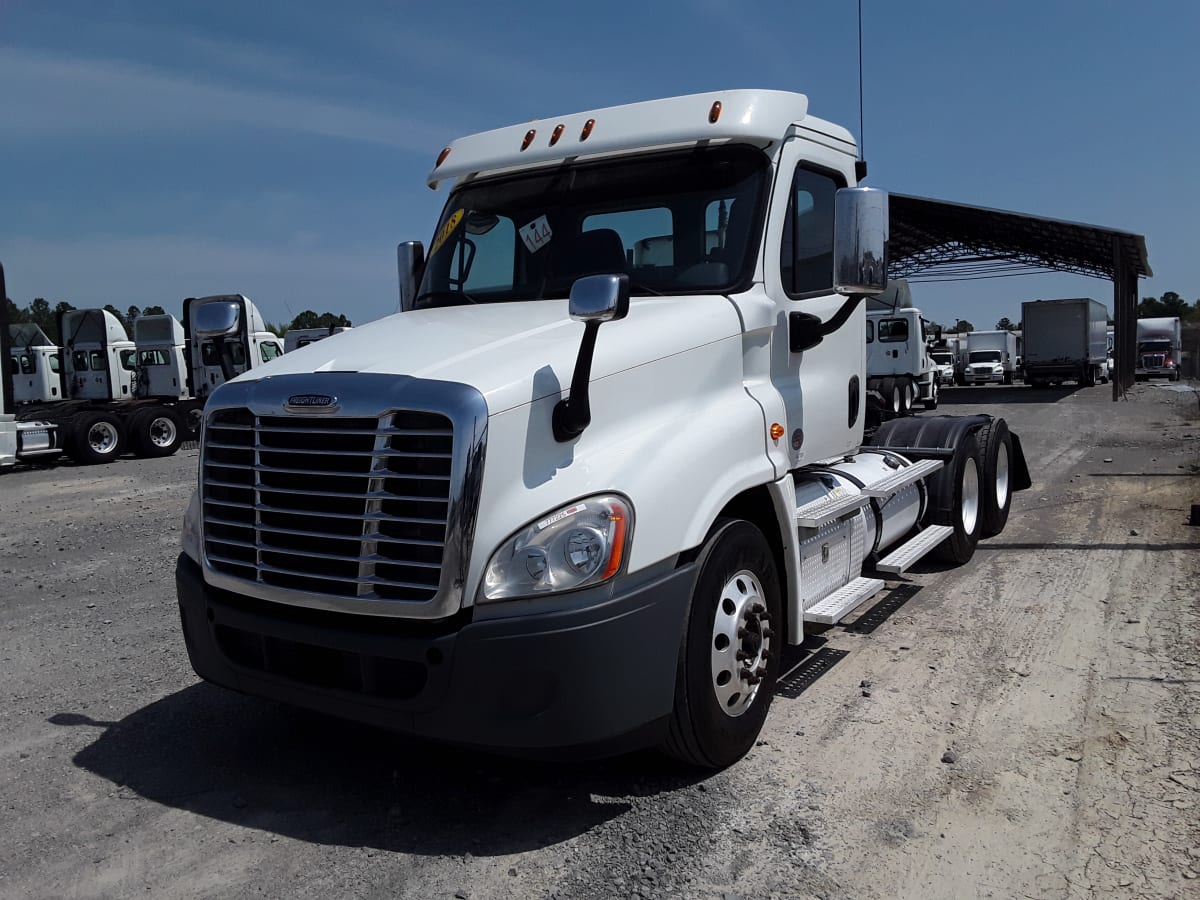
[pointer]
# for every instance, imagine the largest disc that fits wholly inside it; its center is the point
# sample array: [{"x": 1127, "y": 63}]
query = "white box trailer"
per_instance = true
[
  {"x": 1065, "y": 340},
  {"x": 1159, "y": 348},
  {"x": 991, "y": 357}
]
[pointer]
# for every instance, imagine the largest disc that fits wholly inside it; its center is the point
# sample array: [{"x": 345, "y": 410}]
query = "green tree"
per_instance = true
[
  {"x": 154, "y": 311},
  {"x": 1006, "y": 324},
  {"x": 309, "y": 319},
  {"x": 61, "y": 307},
  {"x": 132, "y": 313},
  {"x": 960, "y": 326},
  {"x": 276, "y": 328}
]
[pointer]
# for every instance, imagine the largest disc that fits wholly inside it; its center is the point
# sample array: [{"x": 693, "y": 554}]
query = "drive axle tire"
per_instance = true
[
  {"x": 996, "y": 454},
  {"x": 96, "y": 437},
  {"x": 957, "y": 491},
  {"x": 730, "y": 654},
  {"x": 155, "y": 432},
  {"x": 932, "y": 402}
]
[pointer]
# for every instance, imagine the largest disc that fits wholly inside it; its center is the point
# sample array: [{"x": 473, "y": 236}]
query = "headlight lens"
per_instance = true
[
  {"x": 191, "y": 528},
  {"x": 577, "y": 546}
]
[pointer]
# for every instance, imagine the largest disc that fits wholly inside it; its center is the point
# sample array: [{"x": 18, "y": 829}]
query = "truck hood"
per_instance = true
[{"x": 512, "y": 353}]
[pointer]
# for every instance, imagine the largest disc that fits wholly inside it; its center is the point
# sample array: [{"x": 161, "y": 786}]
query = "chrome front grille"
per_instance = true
[{"x": 347, "y": 507}]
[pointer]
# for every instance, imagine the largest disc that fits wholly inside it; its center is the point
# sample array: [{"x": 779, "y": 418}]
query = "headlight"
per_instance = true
[
  {"x": 191, "y": 528},
  {"x": 577, "y": 546}
]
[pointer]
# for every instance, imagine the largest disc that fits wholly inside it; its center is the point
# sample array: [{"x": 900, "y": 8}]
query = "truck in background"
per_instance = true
[
  {"x": 116, "y": 397},
  {"x": 506, "y": 516},
  {"x": 1159, "y": 348},
  {"x": 1065, "y": 340},
  {"x": 942, "y": 355},
  {"x": 226, "y": 336},
  {"x": 900, "y": 372},
  {"x": 991, "y": 357},
  {"x": 295, "y": 338},
  {"x": 36, "y": 364}
]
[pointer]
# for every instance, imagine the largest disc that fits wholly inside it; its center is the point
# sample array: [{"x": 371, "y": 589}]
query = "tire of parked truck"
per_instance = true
[
  {"x": 890, "y": 389},
  {"x": 729, "y": 657},
  {"x": 996, "y": 483},
  {"x": 155, "y": 432},
  {"x": 1008, "y": 377},
  {"x": 956, "y": 491},
  {"x": 95, "y": 437},
  {"x": 906, "y": 395},
  {"x": 932, "y": 402}
]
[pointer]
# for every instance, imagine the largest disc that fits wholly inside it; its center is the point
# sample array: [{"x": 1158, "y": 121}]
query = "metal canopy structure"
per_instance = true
[{"x": 936, "y": 240}]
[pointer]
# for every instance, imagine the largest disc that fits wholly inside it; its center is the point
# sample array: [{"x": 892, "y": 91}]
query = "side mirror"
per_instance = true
[
  {"x": 600, "y": 298},
  {"x": 860, "y": 236},
  {"x": 410, "y": 259},
  {"x": 217, "y": 318},
  {"x": 594, "y": 299}
]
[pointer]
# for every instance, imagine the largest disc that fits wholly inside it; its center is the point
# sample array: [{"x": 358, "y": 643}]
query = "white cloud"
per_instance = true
[{"x": 48, "y": 97}]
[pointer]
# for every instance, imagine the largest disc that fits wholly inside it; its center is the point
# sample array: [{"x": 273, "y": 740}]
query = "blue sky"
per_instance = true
[{"x": 153, "y": 151}]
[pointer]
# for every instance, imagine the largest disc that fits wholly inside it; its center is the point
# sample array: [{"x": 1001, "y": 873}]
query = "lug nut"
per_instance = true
[
  {"x": 742, "y": 656},
  {"x": 743, "y": 633},
  {"x": 758, "y": 608},
  {"x": 767, "y": 633}
]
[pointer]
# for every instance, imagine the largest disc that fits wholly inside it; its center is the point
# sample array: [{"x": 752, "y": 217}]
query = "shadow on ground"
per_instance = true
[
  {"x": 999, "y": 393},
  {"x": 325, "y": 781}
]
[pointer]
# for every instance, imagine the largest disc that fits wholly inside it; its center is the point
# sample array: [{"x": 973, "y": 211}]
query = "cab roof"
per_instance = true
[{"x": 748, "y": 116}]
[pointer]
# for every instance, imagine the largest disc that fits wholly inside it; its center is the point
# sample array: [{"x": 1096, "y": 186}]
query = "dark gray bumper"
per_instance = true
[{"x": 600, "y": 674}]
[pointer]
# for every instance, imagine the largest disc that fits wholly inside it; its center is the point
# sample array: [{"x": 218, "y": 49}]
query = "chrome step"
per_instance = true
[
  {"x": 907, "y": 554},
  {"x": 845, "y": 599},
  {"x": 823, "y": 511},
  {"x": 902, "y": 478}
]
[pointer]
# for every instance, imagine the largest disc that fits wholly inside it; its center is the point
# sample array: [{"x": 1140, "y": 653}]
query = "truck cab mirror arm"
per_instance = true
[
  {"x": 805, "y": 330},
  {"x": 594, "y": 299}
]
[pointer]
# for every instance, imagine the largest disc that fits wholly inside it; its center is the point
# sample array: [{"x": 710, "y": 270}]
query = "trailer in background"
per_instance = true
[
  {"x": 1159, "y": 348},
  {"x": 991, "y": 357},
  {"x": 1065, "y": 340}
]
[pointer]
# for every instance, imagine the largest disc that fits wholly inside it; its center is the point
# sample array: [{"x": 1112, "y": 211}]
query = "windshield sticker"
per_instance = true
[
  {"x": 447, "y": 230},
  {"x": 536, "y": 234}
]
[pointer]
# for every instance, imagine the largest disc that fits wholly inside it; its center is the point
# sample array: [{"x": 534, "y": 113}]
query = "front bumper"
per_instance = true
[{"x": 600, "y": 675}]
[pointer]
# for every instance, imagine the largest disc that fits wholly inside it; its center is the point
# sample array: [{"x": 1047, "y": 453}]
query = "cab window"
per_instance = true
[
  {"x": 269, "y": 351},
  {"x": 28, "y": 364},
  {"x": 79, "y": 360},
  {"x": 55, "y": 362},
  {"x": 893, "y": 330},
  {"x": 128, "y": 360},
  {"x": 806, "y": 252},
  {"x": 870, "y": 331},
  {"x": 97, "y": 361}
]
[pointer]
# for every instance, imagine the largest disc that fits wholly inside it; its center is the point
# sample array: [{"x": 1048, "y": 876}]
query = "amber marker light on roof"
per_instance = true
[
  {"x": 529, "y": 136},
  {"x": 714, "y": 113},
  {"x": 556, "y": 134},
  {"x": 776, "y": 431},
  {"x": 442, "y": 157},
  {"x": 587, "y": 129}
]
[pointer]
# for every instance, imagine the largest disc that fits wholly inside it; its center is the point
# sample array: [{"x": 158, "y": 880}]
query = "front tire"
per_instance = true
[
  {"x": 97, "y": 437},
  {"x": 729, "y": 657}
]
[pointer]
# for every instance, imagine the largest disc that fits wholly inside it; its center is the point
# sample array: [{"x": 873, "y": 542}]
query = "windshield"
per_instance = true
[
  {"x": 1163, "y": 346},
  {"x": 985, "y": 356},
  {"x": 943, "y": 359},
  {"x": 676, "y": 222}
]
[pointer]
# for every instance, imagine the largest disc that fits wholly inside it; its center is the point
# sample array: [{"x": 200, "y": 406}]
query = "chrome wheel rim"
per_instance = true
[
  {"x": 103, "y": 437},
  {"x": 1001, "y": 476},
  {"x": 741, "y": 643},
  {"x": 163, "y": 431},
  {"x": 970, "y": 496}
]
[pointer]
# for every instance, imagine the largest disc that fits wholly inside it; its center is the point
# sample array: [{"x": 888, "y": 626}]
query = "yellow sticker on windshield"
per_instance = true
[{"x": 447, "y": 230}]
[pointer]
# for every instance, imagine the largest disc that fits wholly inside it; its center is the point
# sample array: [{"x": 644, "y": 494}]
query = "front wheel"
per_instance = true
[{"x": 730, "y": 654}]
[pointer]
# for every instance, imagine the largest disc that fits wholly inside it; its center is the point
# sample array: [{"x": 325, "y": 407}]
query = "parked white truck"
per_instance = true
[
  {"x": 36, "y": 364},
  {"x": 900, "y": 371},
  {"x": 295, "y": 338},
  {"x": 1065, "y": 340},
  {"x": 117, "y": 395},
  {"x": 1159, "y": 348},
  {"x": 991, "y": 357},
  {"x": 563, "y": 500}
]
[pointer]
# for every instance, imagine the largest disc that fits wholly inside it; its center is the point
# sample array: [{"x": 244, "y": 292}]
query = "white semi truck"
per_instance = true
[
  {"x": 117, "y": 395},
  {"x": 1159, "y": 348},
  {"x": 36, "y": 364},
  {"x": 564, "y": 500},
  {"x": 1065, "y": 340},
  {"x": 900, "y": 370},
  {"x": 991, "y": 357}
]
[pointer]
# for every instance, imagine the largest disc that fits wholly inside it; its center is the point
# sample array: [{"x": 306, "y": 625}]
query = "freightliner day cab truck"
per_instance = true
[
  {"x": 1065, "y": 340},
  {"x": 991, "y": 357},
  {"x": 114, "y": 394},
  {"x": 563, "y": 500},
  {"x": 900, "y": 370}
]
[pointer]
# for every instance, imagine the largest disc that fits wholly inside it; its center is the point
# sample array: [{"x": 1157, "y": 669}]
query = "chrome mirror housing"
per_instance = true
[{"x": 860, "y": 236}]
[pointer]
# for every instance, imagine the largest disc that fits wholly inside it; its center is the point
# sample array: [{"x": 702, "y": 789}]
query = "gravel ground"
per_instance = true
[{"x": 1024, "y": 726}]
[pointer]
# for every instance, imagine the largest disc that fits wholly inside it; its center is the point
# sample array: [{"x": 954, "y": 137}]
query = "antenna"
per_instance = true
[{"x": 860, "y": 166}]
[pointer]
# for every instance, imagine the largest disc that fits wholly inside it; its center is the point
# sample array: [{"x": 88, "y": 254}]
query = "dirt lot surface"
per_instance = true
[{"x": 1027, "y": 725}]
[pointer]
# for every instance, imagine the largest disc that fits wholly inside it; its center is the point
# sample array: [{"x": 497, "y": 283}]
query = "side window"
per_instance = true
[
  {"x": 97, "y": 361},
  {"x": 237, "y": 352},
  {"x": 806, "y": 254},
  {"x": 269, "y": 350},
  {"x": 893, "y": 330},
  {"x": 28, "y": 364},
  {"x": 79, "y": 360},
  {"x": 870, "y": 331},
  {"x": 128, "y": 358},
  {"x": 16, "y": 364},
  {"x": 208, "y": 354},
  {"x": 55, "y": 362}
]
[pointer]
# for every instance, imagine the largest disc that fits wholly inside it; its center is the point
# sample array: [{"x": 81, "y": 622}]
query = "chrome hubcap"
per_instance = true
[
  {"x": 970, "y": 496},
  {"x": 1001, "y": 477},
  {"x": 162, "y": 431},
  {"x": 741, "y": 643},
  {"x": 102, "y": 437}
]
